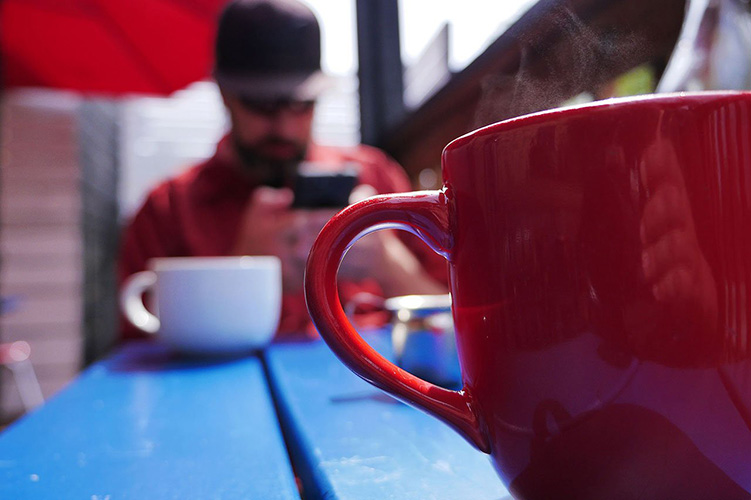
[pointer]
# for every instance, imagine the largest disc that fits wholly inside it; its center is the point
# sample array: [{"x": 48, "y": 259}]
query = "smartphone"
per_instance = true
[{"x": 320, "y": 186}]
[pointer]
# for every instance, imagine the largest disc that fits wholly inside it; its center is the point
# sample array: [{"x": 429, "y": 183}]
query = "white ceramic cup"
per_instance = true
[{"x": 207, "y": 304}]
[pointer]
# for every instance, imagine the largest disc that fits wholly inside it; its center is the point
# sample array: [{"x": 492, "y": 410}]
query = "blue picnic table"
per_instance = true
[{"x": 146, "y": 423}]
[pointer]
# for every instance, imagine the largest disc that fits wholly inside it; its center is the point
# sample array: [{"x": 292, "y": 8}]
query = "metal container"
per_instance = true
[{"x": 423, "y": 337}]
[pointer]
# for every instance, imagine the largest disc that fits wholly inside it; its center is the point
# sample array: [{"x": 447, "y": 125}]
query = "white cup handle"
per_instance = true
[{"x": 131, "y": 301}]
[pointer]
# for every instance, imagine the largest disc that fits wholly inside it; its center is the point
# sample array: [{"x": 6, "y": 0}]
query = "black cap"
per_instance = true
[{"x": 269, "y": 49}]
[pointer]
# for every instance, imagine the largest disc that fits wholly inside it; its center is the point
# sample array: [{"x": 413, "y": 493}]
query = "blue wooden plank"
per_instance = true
[
  {"x": 351, "y": 441},
  {"x": 143, "y": 425}
]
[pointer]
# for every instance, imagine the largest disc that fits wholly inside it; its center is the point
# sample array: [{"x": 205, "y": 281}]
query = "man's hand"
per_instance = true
[
  {"x": 266, "y": 216},
  {"x": 266, "y": 228},
  {"x": 270, "y": 226}
]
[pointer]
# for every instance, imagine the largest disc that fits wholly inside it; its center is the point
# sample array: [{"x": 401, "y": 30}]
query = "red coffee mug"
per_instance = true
[{"x": 600, "y": 272}]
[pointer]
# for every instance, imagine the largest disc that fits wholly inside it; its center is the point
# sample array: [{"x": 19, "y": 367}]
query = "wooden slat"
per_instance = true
[
  {"x": 146, "y": 424},
  {"x": 32, "y": 332},
  {"x": 40, "y": 236},
  {"x": 350, "y": 441},
  {"x": 28, "y": 241},
  {"x": 24, "y": 208}
]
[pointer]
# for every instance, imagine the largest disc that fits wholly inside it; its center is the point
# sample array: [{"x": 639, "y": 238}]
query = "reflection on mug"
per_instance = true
[
  {"x": 681, "y": 285},
  {"x": 672, "y": 261}
]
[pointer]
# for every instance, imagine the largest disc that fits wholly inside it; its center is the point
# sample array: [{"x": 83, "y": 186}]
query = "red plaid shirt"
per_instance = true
[{"x": 198, "y": 212}]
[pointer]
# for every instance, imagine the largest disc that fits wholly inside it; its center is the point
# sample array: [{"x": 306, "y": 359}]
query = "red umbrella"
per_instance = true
[{"x": 107, "y": 46}]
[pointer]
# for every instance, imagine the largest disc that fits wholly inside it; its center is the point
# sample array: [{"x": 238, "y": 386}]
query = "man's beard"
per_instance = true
[{"x": 267, "y": 170}]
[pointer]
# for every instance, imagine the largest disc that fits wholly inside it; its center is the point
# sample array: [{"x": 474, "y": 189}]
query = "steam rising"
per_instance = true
[{"x": 570, "y": 59}]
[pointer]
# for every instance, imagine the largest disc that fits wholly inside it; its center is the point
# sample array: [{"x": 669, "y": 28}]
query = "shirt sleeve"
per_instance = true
[{"x": 151, "y": 233}]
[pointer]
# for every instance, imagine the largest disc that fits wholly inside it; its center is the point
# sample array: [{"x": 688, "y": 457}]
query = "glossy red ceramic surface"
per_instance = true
[{"x": 600, "y": 271}]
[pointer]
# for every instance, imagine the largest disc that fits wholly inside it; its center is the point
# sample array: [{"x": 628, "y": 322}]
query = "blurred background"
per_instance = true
[{"x": 101, "y": 99}]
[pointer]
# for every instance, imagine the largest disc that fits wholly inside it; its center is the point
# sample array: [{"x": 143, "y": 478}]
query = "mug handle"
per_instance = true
[
  {"x": 424, "y": 214},
  {"x": 131, "y": 301}
]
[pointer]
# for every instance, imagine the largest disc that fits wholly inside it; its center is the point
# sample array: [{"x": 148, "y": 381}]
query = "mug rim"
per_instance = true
[
  {"x": 214, "y": 263},
  {"x": 550, "y": 114}
]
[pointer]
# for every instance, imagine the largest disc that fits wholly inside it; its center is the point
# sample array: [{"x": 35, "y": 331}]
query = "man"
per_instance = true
[{"x": 239, "y": 201}]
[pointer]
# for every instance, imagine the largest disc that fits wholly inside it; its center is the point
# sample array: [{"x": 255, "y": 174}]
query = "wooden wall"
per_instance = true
[{"x": 41, "y": 263}]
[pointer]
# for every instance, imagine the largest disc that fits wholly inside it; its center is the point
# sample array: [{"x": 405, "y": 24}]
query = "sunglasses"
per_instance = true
[{"x": 273, "y": 107}]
